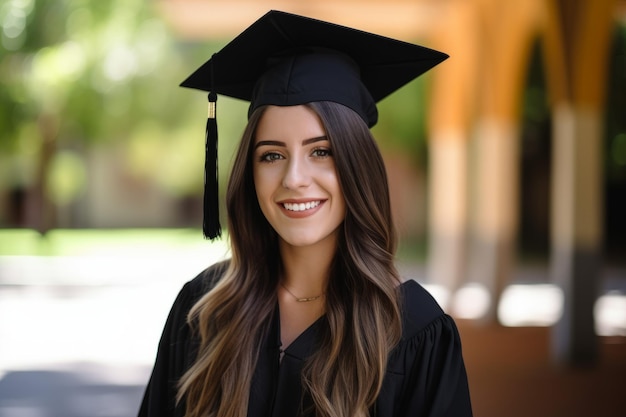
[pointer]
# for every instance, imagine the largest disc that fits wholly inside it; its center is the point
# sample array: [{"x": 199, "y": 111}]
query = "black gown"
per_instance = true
[{"x": 425, "y": 374}]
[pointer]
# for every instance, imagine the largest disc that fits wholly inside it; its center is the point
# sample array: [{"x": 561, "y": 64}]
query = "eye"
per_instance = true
[
  {"x": 322, "y": 153},
  {"x": 270, "y": 157}
]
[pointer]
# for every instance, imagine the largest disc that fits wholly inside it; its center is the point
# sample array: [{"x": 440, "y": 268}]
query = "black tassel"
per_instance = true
[{"x": 211, "y": 222}]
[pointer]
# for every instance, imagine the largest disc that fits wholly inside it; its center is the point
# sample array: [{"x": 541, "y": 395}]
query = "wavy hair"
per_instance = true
[{"x": 344, "y": 376}]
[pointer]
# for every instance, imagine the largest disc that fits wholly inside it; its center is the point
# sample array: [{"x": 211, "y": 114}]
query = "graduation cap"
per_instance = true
[{"x": 286, "y": 60}]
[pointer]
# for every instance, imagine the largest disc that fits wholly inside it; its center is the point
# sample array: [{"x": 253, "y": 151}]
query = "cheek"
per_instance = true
[
  {"x": 332, "y": 180},
  {"x": 263, "y": 181},
  {"x": 335, "y": 188},
  {"x": 258, "y": 184}
]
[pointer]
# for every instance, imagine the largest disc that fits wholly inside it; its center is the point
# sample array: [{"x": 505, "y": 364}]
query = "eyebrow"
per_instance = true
[{"x": 279, "y": 143}]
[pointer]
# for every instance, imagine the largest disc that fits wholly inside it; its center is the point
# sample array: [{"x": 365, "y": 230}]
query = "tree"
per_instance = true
[{"x": 75, "y": 73}]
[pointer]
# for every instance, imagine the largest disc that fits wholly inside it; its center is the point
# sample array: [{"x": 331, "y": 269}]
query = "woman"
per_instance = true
[{"x": 309, "y": 317}]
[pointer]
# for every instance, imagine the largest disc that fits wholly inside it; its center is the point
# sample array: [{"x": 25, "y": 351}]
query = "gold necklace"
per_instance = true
[{"x": 303, "y": 299}]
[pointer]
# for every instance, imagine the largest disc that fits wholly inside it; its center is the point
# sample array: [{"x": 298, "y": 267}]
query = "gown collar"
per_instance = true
[{"x": 276, "y": 388}]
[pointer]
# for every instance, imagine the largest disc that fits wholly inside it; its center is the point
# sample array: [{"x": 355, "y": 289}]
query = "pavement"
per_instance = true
[
  {"x": 78, "y": 334},
  {"x": 72, "y": 392},
  {"x": 512, "y": 373}
]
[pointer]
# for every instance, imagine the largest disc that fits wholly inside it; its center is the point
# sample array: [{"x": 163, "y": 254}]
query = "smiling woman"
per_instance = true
[
  {"x": 295, "y": 177},
  {"x": 309, "y": 317}
]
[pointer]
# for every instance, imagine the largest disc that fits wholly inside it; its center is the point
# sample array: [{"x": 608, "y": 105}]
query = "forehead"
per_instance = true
[{"x": 287, "y": 123}]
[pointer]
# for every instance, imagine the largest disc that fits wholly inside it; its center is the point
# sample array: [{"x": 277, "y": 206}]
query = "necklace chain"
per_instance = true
[{"x": 301, "y": 299}]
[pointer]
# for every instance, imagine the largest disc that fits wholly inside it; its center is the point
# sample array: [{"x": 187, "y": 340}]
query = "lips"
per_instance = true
[{"x": 301, "y": 206}]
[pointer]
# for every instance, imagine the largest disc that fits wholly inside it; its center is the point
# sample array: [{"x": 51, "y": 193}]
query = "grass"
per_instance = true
[{"x": 122, "y": 242}]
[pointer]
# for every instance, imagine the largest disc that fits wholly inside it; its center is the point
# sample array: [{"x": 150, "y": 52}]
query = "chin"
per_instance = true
[
  {"x": 300, "y": 241},
  {"x": 303, "y": 240}
]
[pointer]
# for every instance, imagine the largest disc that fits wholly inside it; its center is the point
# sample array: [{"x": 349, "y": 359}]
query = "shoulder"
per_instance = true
[
  {"x": 419, "y": 309},
  {"x": 428, "y": 334},
  {"x": 425, "y": 372},
  {"x": 206, "y": 280},
  {"x": 194, "y": 289},
  {"x": 189, "y": 295}
]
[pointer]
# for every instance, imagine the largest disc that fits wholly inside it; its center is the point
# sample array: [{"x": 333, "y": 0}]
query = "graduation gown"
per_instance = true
[{"x": 425, "y": 374}]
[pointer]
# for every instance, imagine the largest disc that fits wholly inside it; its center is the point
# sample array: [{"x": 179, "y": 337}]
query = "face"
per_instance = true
[{"x": 295, "y": 177}]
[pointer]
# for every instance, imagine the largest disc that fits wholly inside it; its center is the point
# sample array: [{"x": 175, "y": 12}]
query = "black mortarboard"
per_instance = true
[{"x": 285, "y": 59}]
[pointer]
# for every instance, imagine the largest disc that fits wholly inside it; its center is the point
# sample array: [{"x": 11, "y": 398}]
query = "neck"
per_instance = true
[{"x": 306, "y": 270}]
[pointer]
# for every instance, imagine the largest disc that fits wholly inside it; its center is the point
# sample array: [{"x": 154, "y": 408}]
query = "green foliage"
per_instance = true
[
  {"x": 101, "y": 72},
  {"x": 402, "y": 124},
  {"x": 89, "y": 65}
]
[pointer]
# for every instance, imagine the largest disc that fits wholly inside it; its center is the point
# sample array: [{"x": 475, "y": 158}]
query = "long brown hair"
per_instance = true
[{"x": 344, "y": 376}]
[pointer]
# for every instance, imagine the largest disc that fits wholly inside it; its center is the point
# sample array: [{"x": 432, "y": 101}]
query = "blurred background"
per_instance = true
[{"x": 507, "y": 167}]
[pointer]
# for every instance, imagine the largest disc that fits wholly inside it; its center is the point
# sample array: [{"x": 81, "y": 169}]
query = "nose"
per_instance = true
[{"x": 296, "y": 174}]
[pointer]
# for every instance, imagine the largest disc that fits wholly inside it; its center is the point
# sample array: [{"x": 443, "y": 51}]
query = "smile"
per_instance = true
[{"x": 301, "y": 206}]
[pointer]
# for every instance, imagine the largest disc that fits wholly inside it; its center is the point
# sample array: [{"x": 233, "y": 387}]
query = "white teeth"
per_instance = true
[{"x": 301, "y": 206}]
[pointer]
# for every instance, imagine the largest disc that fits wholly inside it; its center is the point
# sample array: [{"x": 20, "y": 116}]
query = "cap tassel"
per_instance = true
[{"x": 211, "y": 223}]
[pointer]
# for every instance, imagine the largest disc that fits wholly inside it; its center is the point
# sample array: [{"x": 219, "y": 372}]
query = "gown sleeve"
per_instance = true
[
  {"x": 437, "y": 380},
  {"x": 177, "y": 349},
  {"x": 160, "y": 395},
  {"x": 426, "y": 374}
]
